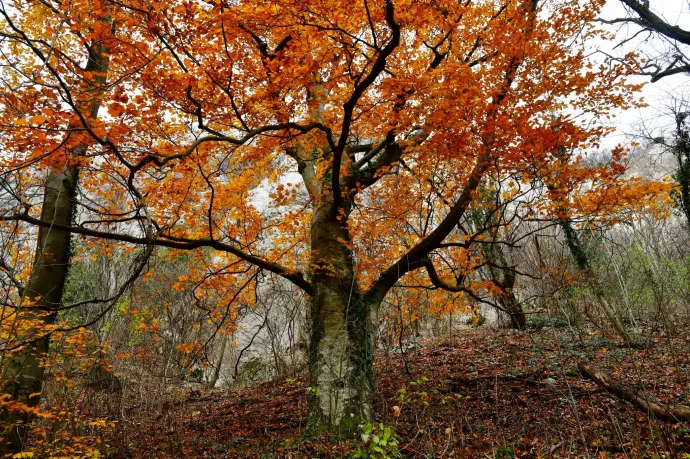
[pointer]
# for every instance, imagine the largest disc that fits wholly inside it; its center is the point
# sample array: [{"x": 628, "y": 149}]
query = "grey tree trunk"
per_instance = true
[
  {"x": 216, "y": 372},
  {"x": 342, "y": 336}
]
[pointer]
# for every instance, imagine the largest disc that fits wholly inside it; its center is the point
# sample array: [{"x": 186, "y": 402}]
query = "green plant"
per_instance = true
[
  {"x": 412, "y": 395},
  {"x": 378, "y": 442},
  {"x": 539, "y": 322},
  {"x": 504, "y": 452}
]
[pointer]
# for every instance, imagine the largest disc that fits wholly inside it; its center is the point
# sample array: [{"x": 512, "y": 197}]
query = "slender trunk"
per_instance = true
[
  {"x": 582, "y": 261},
  {"x": 342, "y": 335},
  {"x": 219, "y": 364},
  {"x": 682, "y": 153},
  {"x": 643, "y": 402},
  {"x": 683, "y": 175},
  {"x": 24, "y": 371}
]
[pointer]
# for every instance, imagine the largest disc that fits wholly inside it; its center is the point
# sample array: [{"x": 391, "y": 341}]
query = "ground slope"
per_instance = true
[{"x": 483, "y": 393}]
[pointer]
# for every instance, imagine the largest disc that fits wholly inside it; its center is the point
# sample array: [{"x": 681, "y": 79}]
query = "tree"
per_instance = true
[
  {"x": 678, "y": 145},
  {"x": 296, "y": 138},
  {"x": 595, "y": 206},
  {"x": 499, "y": 271},
  {"x": 648, "y": 22},
  {"x": 41, "y": 298}
]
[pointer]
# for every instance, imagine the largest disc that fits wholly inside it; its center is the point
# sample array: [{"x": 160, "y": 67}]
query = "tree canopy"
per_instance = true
[{"x": 335, "y": 145}]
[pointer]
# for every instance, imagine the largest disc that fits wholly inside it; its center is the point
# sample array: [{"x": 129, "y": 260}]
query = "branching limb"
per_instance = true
[{"x": 296, "y": 278}]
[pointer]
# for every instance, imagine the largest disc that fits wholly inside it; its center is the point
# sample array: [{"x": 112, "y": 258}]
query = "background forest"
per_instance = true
[{"x": 385, "y": 228}]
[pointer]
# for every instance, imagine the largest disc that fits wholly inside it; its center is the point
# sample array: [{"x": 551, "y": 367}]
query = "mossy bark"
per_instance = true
[
  {"x": 681, "y": 151},
  {"x": 342, "y": 335}
]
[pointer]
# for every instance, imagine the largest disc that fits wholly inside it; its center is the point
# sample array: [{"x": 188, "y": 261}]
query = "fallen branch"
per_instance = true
[{"x": 664, "y": 413}]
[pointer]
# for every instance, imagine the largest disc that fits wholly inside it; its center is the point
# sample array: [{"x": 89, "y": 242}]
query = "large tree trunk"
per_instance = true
[
  {"x": 24, "y": 370},
  {"x": 342, "y": 335},
  {"x": 505, "y": 279}
]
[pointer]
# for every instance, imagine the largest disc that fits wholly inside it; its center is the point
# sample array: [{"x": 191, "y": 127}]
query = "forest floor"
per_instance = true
[{"x": 484, "y": 393}]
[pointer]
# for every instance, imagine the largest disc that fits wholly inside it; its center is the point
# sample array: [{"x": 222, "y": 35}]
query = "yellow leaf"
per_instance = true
[
  {"x": 38, "y": 119},
  {"x": 23, "y": 454}
]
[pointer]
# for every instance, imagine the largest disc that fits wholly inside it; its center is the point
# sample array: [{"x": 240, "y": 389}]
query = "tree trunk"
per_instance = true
[
  {"x": 500, "y": 273},
  {"x": 216, "y": 372},
  {"x": 505, "y": 279},
  {"x": 342, "y": 335},
  {"x": 682, "y": 153},
  {"x": 513, "y": 308},
  {"x": 24, "y": 370}
]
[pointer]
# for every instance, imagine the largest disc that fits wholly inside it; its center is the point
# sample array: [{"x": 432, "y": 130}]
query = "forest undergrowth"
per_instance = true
[{"x": 481, "y": 393}]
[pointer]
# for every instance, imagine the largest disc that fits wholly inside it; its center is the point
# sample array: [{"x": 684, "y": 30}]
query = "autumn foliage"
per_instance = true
[{"x": 336, "y": 145}]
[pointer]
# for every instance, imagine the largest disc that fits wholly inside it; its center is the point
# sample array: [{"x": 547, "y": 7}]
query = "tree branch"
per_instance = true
[
  {"x": 296, "y": 278},
  {"x": 349, "y": 106},
  {"x": 655, "y": 22}
]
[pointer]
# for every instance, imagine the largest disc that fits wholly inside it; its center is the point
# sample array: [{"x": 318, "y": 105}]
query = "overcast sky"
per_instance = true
[{"x": 658, "y": 94}]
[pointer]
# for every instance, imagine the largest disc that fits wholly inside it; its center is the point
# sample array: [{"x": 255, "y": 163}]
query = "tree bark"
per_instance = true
[
  {"x": 681, "y": 151},
  {"x": 505, "y": 279},
  {"x": 514, "y": 309},
  {"x": 216, "y": 372},
  {"x": 23, "y": 372},
  {"x": 342, "y": 335}
]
